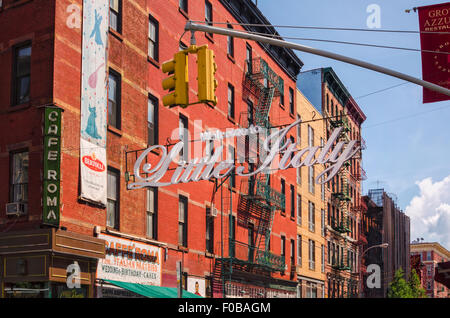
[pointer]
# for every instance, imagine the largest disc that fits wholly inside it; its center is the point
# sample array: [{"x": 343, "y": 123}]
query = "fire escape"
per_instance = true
[
  {"x": 341, "y": 198},
  {"x": 258, "y": 201}
]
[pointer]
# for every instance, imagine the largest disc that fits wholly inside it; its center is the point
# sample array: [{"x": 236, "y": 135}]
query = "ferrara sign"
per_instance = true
[{"x": 207, "y": 167}]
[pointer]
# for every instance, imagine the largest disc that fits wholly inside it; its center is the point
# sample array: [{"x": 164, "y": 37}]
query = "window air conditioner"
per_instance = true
[
  {"x": 213, "y": 211},
  {"x": 16, "y": 208}
]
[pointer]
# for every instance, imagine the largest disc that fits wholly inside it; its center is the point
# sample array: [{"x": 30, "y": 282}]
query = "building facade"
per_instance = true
[
  {"x": 324, "y": 89},
  {"x": 232, "y": 239},
  {"x": 311, "y": 215},
  {"x": 386, "y": 224},
  {"x": 430, "y": 255}
]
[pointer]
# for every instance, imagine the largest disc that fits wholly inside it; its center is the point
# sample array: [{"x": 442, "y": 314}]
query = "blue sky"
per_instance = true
[{"x": 402, "y": 153}]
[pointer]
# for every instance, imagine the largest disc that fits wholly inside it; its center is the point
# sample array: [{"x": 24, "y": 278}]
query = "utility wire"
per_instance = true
[
  {"x": 275, "y": 36},
  {"x": 321, "y": 28},
  {"x": 382, "y": 90},
  {"x": 409, "y": 116}
]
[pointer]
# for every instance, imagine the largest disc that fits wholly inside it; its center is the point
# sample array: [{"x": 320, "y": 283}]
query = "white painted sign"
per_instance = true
[{"x": 130, "y": 261}]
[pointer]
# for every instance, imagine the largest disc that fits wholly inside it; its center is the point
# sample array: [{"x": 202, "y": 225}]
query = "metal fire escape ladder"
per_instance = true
[{"x": 259, "y": 201}]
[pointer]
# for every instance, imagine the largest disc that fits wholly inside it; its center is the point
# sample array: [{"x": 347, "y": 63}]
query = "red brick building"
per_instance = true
[
  {"x": 431, "y": 256},
  {"x": 138, "y": 236}
]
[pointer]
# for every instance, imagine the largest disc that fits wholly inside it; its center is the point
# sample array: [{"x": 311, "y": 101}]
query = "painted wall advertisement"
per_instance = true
[
  {"x": 94, "y": 101},
  {"x": 130, "y": 261}
]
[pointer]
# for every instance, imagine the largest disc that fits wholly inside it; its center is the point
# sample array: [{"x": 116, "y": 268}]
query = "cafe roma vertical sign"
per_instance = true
[
  {"x": 52, "y": 165},
  {"x": 434, "y": 20}
]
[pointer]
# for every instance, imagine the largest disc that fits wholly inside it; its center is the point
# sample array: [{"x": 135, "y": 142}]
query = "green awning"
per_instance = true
[{"x": 152, "y": 291}]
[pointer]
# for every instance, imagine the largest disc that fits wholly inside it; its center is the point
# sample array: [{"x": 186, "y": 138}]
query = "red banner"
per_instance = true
[{"x": 434, "y": 20}]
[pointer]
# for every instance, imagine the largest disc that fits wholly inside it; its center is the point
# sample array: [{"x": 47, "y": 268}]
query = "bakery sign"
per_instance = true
[
  {"x": 130, "y": 261},
  {"x": 333, "y": 155}
]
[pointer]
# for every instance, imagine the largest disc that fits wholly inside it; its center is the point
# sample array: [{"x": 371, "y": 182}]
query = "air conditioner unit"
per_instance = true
[
  {"x": 16, "y": 208},
  {"x": 213, "y": 211}
]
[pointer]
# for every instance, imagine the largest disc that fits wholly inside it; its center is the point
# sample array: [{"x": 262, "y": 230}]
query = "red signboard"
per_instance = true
[{"x": 434, "y": 24}]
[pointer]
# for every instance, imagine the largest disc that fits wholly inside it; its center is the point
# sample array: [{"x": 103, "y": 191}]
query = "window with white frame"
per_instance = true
[
  {"x": 299, "y": 250},
  {"x": 312, "y": 255},
  {"x": 322, "y": 258},
  {"x": 299, "y": 209},
  {"x": 182, "y": 220},
  {"x": 153, "y": 41},
  {"x": 19, "y": 177},
  {"x": 311, "y": 179},
  {"x": 112, "y": 206},
  {"x": 151, "y": 215},
  {"x": 312, "y": 217}
]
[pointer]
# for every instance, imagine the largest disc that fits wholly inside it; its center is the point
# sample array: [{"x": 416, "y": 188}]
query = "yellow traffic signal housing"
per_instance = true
[
  {"x": 178, "y": 83},
  {"x": 207, "y": 83}
]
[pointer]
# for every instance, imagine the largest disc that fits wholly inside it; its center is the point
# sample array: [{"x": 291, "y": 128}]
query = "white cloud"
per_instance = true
[{"x": 430, "y": 211}]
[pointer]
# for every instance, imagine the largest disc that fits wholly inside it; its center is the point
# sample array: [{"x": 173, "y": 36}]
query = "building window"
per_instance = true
[
  {"x": 293, "y": 255},
  {"x": 291, "y": 101},
  {"x": 292, "y": 201},
  {"x": 283, "y": 245},
  {"x": 311, "y": 179},
  {"x": 428, "y": 255},
  {"x": 230, "y": 43},
  {"x": 152, "y": 208},
  {"x": 114, "y": 100},
  {"x": 113, "y": 195},
  {"x": 299, "y": 175},
  {"x": 322, "y": 258},
  {"x": 19, "y": 177},
  {"x": 153, "y": 38},
  {"x": 232, "y": 158},
  {"x": 184, "y": 137},
  {"x": 310, "y": 136},
  {"x": 283, "y": 191},
  {"x": 312, "y": 255},
  {"x": 209, "y": 231},
  {"x": 208, "y": 15},
  {"x": 249, "y": 57},
  {"x": 322, "y": 222},
  {"x": 312, "y": 216},
  {"x": 21, "y": 74},
  {"x": 231, "y": 101},
  {"x": 183, "y": 4},
  {"x": 328, "y": 252},
  {"x": 115, "y": 15},
  {"x": 182, "y": 220},
  {"x": 152, "y": 121},
  {"x": 299, "y": 209},
  {"x": 299, "y": 250}
]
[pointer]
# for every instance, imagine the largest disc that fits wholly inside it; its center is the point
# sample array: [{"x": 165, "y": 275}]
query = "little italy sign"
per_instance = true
[{"x": 204, "y": 168}]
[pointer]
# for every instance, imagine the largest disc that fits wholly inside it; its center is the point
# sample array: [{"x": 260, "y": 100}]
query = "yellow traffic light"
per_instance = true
[
  {"x": 207, "y": 83},
  {"x": 178, "y": 83}
]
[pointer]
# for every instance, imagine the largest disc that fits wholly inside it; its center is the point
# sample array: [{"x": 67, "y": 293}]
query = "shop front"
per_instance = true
[
  {"x": 132, "y": 268},
  {"x": 48, "y": 263}
]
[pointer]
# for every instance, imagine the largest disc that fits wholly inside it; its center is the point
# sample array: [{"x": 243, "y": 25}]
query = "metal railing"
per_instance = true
[{"x": 242, "y": 252}]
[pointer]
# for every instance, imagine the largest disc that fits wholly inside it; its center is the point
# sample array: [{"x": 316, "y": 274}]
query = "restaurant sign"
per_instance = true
[
  {"x": 130, "y": 261},
  {"x": 52, "y": 163}
]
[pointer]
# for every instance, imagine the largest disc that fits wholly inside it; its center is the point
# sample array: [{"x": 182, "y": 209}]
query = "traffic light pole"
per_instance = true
[{"x": 190, "y": 26}]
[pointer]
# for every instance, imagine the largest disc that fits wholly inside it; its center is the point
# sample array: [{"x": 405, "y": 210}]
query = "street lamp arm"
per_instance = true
[{"x": 190, "y": 26}]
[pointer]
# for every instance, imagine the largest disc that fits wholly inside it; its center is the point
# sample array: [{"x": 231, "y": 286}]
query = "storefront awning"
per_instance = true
[{"x": 152, "y": 291}]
